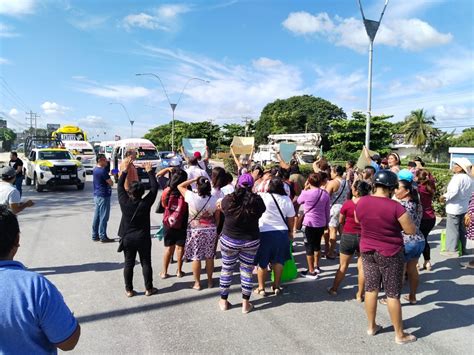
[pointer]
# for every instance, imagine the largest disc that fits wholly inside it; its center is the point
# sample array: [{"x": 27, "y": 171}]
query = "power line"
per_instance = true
[{"x": 13, "y": 94}]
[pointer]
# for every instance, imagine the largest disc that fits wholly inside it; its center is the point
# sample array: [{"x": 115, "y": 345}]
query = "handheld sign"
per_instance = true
[{"x": 192, "y": 145}]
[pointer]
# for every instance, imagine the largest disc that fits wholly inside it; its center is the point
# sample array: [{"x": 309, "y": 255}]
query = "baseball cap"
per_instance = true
[
  {"x": 197, "y": 155},
  {"x": 405, "y": 174},
  {"x": 245, "y": 180},
  {"x": 384, "y": 161},
  {"x": 7, "y": 172}
]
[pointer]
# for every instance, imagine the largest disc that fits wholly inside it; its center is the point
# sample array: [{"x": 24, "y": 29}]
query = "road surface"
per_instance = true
[{"x": 55, "y": 241}]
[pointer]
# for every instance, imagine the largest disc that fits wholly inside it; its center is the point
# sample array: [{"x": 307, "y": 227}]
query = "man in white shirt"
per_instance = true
[
  {"x": 194, "y": 171},
  {"x": 9, "y": 195},
  {"x": 457, "y": 200}
]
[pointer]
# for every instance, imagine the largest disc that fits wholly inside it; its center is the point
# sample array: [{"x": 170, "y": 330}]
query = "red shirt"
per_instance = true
[
  {"x": 350, "y": 224},
  {"x": 380, "y": 229},
  {"x": 426, "y": 200}
]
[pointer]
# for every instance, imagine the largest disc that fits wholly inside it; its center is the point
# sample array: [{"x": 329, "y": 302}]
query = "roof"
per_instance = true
[
  {"x": 461, "y": 150},
  {"x": 51, "y": 149}
]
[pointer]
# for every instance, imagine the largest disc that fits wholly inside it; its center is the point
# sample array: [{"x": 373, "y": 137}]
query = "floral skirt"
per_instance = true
[{"x": 200, "y": 243}]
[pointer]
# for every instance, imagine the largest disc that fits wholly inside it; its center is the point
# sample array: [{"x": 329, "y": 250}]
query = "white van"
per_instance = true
[
  {"x": 107, "y": 148},
  {"x": 84, "y": 151},
  {"x": 146, "y": 152}
]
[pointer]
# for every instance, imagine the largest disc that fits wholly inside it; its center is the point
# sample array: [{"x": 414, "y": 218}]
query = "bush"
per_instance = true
[
  {"x": 230, "y": 166},
  {"x": 442, "y": 176}
]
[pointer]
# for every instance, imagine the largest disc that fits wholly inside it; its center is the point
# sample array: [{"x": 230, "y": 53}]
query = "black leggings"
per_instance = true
[
  {"x": 130, "y": 248},
  {"x": 426, "y": 226},
  {"x": 312, "y": 239}
]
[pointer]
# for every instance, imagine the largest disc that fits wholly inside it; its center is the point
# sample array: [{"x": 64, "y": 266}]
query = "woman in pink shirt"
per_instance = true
[{"x": 381, "y": 244}]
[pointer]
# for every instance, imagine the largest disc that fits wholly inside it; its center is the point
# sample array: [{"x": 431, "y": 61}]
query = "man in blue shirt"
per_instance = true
[
  {"x": 102, "y": 192},
  {"x": 33, "y": 316}
]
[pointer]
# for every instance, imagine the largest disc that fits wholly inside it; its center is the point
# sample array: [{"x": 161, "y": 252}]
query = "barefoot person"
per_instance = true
[
  {"x": 381, "y": 244},
  {"x": 135, "y": 226},
  {"x": 350, "y": 239},
  {"x": 202, "y": 227}
]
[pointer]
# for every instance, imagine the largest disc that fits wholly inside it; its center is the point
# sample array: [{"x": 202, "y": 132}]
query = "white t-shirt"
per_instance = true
[
  {"x": 195, "y": 171},
  {"x": 8, "y": 194},
  {"x": 228, "y": 189},
  {"x": 263, "y": 187},
  {"x": 271, "y": 219},
  {"x": 196, "y": 204}
]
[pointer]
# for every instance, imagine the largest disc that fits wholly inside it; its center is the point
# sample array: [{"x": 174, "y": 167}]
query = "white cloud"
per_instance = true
[
  {"x": 52, "y": 108},
  {"x": 117, "y": 91},
  {"x": 410, "y": 34},
  {"x": 4, "y": 61},
  {"x": 7, "y": 31},
  {"x": 267, "y": 63},
  {"x": 93, "y": 121},
  {"x": 163, "y": 18},
  {"x": 17, "y": 7},
  {"x": 454, "y": 112},
  {"x": 13, "y": 112},
  {"x": 88, "y": 22},
  {"x": 338, "y": 86}
]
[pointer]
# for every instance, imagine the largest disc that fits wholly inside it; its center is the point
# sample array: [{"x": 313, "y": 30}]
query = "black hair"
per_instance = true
[
  {"x": 411, "y": 190},
  {"x": 193, "y": 161},
  {"x": 229, "y": 178},
  {"x": 338, "y": 169},
  {"x": 362, "y": 188},
  {"x": 218, "y": 177},
  {"x": 9, "y": 229},
  {"x": 14, "y": 153},
  {"x": 275, "y": 186},
  {"x": 136, "y": 190},
  {"x": 411, "y": 164},
  {"x": 274, "y": 171},
  {"x": 259, "y": 168},
  {"x": 371, "y": 168},
  {"x": 284, "y": 174},
  {"x": 294, "y": 167},
  {"x": 419, "y": 160},
  {"x": 351, "y": 163},
  {"x": 100, "y": 156},
  {"x": 243, "y": 204},
  {"x": 203, "y": 186}
]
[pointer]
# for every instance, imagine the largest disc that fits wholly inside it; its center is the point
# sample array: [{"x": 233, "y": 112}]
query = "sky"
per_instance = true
[{"x": 68, "y": 61}]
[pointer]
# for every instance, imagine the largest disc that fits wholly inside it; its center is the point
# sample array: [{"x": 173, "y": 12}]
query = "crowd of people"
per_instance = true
[{"x": 382, "y": 214}]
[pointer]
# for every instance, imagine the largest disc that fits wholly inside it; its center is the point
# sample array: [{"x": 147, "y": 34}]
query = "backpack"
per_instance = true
[{"x": 175, "y": 212}]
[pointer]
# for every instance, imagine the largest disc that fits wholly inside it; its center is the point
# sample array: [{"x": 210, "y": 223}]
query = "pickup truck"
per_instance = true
[{"x": 49, "y": 167}]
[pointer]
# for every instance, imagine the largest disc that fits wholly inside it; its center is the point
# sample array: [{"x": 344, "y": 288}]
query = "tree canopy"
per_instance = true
[
  {"x": 7, "y": 137},
  {"x": 298, "y": 114},
  {"x": 418, "y": 127}
]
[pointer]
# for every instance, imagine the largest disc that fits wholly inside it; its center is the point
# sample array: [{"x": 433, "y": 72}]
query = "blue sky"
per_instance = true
[{"x": 67, "y": 60}]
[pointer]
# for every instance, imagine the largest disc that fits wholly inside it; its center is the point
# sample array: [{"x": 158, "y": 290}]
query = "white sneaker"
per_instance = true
[{"x": 312, "y": 276}]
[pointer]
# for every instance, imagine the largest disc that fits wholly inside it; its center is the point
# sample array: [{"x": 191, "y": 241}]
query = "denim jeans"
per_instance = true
[
  {"x": 18, "y": 183},
  {"x": 101, "y": 217},
  {"x": 455, "y": 231}
]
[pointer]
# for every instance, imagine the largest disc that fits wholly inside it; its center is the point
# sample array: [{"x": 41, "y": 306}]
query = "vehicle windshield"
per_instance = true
[
  {"x": 54, "y": 155},
  {"x": 308, "y": 159},
  {"x": 109, "y": 149},
  {"x": 164, "y": 155},
  {"x": 147, "y": 154}
]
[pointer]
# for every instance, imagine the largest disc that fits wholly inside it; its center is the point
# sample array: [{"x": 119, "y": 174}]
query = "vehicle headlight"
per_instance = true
[{"x": 44, "y": 168}]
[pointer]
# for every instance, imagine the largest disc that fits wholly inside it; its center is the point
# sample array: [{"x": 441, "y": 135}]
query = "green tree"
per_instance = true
[
  {"x": 298, "y": 114},
  {"x": 231, "y": 130},
  {"x": 161, "y": 135},
  {"x": 348, "y": 136},
  {"x": 205, "y": 129},
  {"x": 7, "y": 137},
  {"x": 438, "y": 145},
  {"x": 418, "y": 127},
  {"x": 466, "y": 139}
]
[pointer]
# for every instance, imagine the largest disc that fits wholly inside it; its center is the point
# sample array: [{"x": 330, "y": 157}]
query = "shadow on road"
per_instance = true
[{"x": 71, "y": 269}]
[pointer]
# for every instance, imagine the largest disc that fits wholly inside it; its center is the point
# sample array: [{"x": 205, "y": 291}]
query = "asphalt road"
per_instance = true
[{"x": 55, "y": 241}]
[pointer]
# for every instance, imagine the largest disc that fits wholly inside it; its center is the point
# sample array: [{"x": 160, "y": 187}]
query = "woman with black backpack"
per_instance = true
[
  {"x": 175, "y": 220},
  {"x": 134, "y": 229}
]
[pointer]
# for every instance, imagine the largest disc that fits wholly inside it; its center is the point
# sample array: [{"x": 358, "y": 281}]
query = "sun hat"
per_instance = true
[
  {"x": 245, "y": 180},
  {"x": 7, "y": 172},
  {"x": 464, "y": 163},
  {"x": 405, "y": 174}
]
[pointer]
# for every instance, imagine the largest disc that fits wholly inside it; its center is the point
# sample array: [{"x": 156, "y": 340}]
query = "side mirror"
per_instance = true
[{"x": 78, "y": 158}]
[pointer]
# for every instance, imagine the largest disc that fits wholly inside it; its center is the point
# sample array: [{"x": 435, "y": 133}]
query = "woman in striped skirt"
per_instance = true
[{"x": 240, "y": 239}]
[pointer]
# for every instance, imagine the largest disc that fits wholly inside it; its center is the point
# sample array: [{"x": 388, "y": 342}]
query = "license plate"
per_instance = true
[
  {"x": 64, "y": 177},
  {"x": 145, "y": 180}
]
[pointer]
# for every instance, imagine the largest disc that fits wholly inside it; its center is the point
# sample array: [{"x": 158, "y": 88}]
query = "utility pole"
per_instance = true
[{"x": 33, "y": 116}]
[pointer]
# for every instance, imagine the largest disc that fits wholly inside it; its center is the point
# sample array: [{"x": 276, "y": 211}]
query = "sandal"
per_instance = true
[
  {"x": 277, "y": 290},
  {"x": 407, "y": 298},
  {"x": 331, "y": 291},
  {"x": 409, "y": 338},
  {"x": 260, "y": 292},
  {"x": 377, "y": 329},
  {"x": 180, "y": 274},
  {"x": 427, "y": 265},
  {"x": 130, "y": 293},
  {"x": 152, "y": 291},
  {"x": 163, "y": 275},
  {"x": 383, "y": 301}
]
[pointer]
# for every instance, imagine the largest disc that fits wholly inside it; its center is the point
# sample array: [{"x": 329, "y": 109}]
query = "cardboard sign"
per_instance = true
[
  {"x": 191, "y": 145},
  {"x": 362, "y": 161},
  {"x": 286, "y": 151},
  {"x": 243, "y": 145}
]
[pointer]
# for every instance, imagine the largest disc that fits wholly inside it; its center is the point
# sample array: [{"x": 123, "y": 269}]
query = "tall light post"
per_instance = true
[
  {"x": 128, "y": 116},
  {"x": 172, "y": 105},
  {"x": 371, "y": 27}
]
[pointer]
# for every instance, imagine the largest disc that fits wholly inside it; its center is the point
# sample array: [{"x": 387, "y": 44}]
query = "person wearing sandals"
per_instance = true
[
  {"x": 202, "y": 227},
  {"x": 381, "y": 245},
  {"x": 350, "y": 240},
  {"x": 135, "y": 226},
  {"x": 240, "y": 239},
  {"x": 315, "y": 201},
  {"x": 414, "y": 244},
  {"x": 426, "y": 190},
  {"x": 276, "y": 232},
  {"x": 174, "y": 238}
]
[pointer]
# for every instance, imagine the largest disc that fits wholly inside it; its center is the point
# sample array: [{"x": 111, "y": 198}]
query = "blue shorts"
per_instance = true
[
  {"x": 414, "y": 249},
  {"x": 274, "y": 248}
]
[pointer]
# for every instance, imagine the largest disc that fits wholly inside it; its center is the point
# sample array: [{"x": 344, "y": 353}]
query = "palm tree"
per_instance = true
[{"x": 418, "y": 128}]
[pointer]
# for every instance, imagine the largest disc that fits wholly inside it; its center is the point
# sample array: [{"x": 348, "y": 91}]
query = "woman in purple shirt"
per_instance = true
[{"x": 316, "y": 218}]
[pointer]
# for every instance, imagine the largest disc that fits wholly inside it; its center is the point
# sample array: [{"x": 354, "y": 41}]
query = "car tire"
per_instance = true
[
  {"x": 27, "y": 181},
  {"x": 38, "y": 186},
  {"x": 80, "y": 186}
]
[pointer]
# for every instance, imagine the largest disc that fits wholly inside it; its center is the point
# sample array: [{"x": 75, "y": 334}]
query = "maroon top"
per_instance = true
[
  {"x": 426, "y": 199},
  {"x": 350, "y": 224},
  {"x": 380, "y": 229}
]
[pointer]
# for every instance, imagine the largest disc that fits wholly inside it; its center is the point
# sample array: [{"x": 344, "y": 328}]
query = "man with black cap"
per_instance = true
[{"x": 9, "y": 195}]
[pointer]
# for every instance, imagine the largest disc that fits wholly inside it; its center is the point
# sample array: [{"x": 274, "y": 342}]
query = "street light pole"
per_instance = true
[
  {"x": 128, "y": 116},
  {"x": 172, "y": 105},
  {"x": 371, "y": 27}
]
